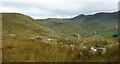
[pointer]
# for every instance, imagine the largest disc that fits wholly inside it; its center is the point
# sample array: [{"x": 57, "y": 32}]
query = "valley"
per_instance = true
[{"x": 84, "y": 38}]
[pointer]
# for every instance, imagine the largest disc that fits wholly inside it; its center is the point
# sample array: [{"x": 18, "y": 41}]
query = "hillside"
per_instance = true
[
  {"x": 63, "y": 27},
  {"x": 100, "y": 21},
  {"x": 19, "y": 24},
  {"x": 84, "y": 25}
]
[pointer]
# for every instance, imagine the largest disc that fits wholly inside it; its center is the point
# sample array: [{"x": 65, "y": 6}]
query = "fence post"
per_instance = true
[
  {"x": 78, "y": 40},
  {"x": 102, "y": 36},
  {"x": 51, "y": 38},
  {"x": 43, "y": 38},
  {"x": 96, "y": 38},
  {"x": 57, "y": 39}
]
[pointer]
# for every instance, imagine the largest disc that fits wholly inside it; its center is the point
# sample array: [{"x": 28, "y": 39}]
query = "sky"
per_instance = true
[{"x": 42, "y": 9}]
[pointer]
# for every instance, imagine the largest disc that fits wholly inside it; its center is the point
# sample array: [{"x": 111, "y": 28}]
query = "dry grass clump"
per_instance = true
[{"x": 24, "y": 50}]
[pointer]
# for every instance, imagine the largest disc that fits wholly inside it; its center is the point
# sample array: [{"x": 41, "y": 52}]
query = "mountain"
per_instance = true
[
  {"x": 77, "y": 17},
  {"x": 84, "y": 25},
  {"x": 64, "y": 27},
  {"x": 99, "y": 22},
  {"x": 19, "y": 24}
]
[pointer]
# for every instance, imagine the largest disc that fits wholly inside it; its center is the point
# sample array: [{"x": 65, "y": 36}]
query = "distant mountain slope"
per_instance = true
[
  {"x": 100, "y": 22},
  {"x": 77, "y": 17},
  {"x": 84, "y": 25},
  {"x": 64, "y": 27},
  {"x": 19, "y": 24}
]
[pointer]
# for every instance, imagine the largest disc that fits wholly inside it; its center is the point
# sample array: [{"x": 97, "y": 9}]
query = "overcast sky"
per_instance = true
[{"x": 41, "y": 9}]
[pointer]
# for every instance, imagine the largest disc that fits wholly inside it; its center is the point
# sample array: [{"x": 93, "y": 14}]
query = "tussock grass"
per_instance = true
[{"x": 24, "y": 50}]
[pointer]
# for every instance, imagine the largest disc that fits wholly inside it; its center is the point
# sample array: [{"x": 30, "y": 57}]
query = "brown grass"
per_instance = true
[{"x": 25, "y": 50}]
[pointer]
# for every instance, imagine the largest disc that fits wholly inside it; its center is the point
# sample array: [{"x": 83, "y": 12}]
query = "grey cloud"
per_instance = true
[{"x": 53, "y": 9}]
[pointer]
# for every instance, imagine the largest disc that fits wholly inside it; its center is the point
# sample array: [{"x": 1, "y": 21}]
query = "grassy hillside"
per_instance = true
[
  {"x": 100, "y": 22},
  {"x": 19, "y": 24},
  {"x": 84, "y": 25},
  {"x": 64, "y": 27}
]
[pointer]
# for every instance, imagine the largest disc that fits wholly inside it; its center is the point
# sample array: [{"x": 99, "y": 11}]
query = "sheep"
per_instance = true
[
  {"x": 32, "y": 39},
  {"x": 93, "y": 49},
  {"x": 50, "y": 40},
  {"x": 72, "y": 46},
  {"x": 39, "y": 38},
  {"x": 103, "y": 50},
  {"x": 98, "y": 49},
  {"x": 61, "y": 46},
  {"x": 84, "y": 47}
]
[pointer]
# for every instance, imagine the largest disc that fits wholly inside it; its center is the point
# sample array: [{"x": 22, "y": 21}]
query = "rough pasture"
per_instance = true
[{"x": 24, "y": 50}]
